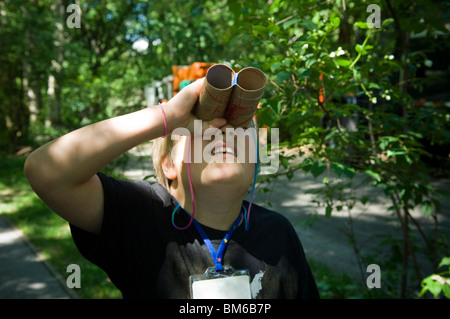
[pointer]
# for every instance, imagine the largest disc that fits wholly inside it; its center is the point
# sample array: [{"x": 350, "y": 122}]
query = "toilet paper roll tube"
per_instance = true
[
  {"x": 215, "y": 93},
  {"x": 245, "y": 97}
]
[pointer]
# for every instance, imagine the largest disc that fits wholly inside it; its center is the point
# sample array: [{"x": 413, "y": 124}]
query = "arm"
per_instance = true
[{"x": 63, "y": 172}]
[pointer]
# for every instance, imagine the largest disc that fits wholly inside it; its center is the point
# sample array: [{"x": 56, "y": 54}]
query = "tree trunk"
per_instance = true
[
  {"x": 56, "y": 77},
  {"x": 403, "y": 41}
]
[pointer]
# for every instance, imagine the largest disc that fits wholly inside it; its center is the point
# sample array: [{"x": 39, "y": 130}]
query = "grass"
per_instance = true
[
  {"x": 50, "y": 235},
  {"x": 47, "y": 232}
]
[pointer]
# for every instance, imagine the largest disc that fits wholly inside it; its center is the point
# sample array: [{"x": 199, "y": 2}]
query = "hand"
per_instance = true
[{"x": 181, "y": 105}]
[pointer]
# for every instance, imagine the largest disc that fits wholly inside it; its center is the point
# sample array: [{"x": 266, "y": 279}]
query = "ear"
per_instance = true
[{"x": 168, "y": 168}]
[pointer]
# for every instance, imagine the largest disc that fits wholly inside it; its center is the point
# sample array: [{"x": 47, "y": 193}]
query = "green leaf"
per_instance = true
[
  {"x": 361, "y": 25},
  {"x": 444, "y": 262},
  {"x": 308, "y": 24},
  {"x": 328, "y": 210},
  {"x": 373, "y": 174},
  {"x": 310, "y": 62},
  {"x": 275, "y": 66},
  {"x": 289, "y": 175},
  {"x": 343, "y": 62},
  {"x": 364, "y": 199},
  {"x": 290, "y": 22},
  {"x": 431, "y": 285},
  {"x": 387, "y": 22},
  {"x": 334, "y": 24},
  {"x": 259, "y": 29},
  {"x": 264, "y": 190},
  {"x": 284, "y": 161},
  {"x": 385, "y": 141},
  {"x": 427, "y": 209},
  {"x": 340, "y": 169},
  {"x": 434, "y": 286},
  {"x": 318, "y": 168},
  {"x": 331, "y": 135},
  {"x": 373, "y": 85},
  {"x": 396, "y": 152},
  {"x": 283, "y": 75},
  {"x": 360, "y": 49},
  {"x": 303, "y": 72},
  {"x": 446, "y": 291},
  {"x": 307, "y": 164}
]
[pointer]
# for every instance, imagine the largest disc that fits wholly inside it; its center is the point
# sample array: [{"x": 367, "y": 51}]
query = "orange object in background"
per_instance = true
[
  {"x": 189, "y": 73},
  {"x": 321, "y": 92}
]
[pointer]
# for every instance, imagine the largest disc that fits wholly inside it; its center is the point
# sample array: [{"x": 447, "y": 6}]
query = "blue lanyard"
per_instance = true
[{"x": 217, "y": 256}]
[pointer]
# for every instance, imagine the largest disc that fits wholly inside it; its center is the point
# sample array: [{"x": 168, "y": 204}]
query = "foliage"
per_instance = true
[
  {"x": 438, "y": 283},
  {"x": 346, "y": 91}
]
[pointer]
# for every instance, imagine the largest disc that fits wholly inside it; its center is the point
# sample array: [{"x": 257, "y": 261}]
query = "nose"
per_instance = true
[{"x": 227, "y": 130}]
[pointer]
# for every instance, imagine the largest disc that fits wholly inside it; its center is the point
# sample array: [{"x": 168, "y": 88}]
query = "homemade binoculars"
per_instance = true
[{"x": 230, "y": 95}]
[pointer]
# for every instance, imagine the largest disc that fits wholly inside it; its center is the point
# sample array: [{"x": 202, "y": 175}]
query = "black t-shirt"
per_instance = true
[{"x": 146, "y": 257}]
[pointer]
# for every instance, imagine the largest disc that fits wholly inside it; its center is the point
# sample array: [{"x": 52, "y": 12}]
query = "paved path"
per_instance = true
[
  {"x": 23, "y": 272},
  {"x": 327, "y": 239}
]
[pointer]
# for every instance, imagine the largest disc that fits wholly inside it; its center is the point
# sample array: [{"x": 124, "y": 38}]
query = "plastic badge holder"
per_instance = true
[{"x": 226, "y": 284}]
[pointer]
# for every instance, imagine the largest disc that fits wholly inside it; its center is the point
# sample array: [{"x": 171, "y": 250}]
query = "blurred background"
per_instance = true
[{"x": 358, "y": 89}]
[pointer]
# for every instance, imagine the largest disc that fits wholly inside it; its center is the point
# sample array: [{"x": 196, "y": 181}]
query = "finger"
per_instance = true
[
  {"x": 218, "y": 122},
  {"x": 194, "y": 88},
  {"x": 188, "y": 96}
]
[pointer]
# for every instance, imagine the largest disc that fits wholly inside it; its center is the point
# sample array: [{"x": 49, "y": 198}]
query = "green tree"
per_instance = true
[
  {"x": 346, "y": 91},
  {"x": 25, "y": 58}
]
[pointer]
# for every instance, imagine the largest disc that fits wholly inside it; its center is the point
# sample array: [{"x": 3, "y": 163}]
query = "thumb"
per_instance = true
[{"x": 188, "y": 96}]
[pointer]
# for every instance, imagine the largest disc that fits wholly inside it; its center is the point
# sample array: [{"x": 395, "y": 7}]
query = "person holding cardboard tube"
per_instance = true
[{"x": 128, "y": 228}]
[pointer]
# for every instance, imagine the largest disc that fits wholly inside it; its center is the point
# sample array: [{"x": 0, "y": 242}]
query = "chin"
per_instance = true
[{"x": 226, "y": 173}]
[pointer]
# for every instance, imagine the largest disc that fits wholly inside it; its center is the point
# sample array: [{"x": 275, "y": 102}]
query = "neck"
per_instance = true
[{"x": 212, "y": 208}]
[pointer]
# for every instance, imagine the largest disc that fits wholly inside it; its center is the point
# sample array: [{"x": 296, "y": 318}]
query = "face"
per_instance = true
[{"x": 225, "y": 158}]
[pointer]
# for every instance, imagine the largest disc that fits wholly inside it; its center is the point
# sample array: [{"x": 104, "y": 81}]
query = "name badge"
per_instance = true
[{"x": 225, "y": 284}]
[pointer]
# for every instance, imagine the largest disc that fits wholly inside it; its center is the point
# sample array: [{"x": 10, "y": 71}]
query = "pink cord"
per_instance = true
[
  {"x": 188, "y": 164},
  {"x": 165, "y": 122}
]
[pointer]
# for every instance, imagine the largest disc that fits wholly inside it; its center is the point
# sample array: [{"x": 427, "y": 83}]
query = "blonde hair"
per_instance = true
[{"x": 162, "y": 147}]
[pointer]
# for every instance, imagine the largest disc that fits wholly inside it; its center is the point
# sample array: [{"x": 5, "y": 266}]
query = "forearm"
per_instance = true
[{"x": 75, "y": 157}]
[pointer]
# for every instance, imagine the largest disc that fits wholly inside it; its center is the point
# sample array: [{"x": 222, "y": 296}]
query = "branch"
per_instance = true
[
  {"x": 420, "y": 231},
  {"x": 284, "y": 20}
]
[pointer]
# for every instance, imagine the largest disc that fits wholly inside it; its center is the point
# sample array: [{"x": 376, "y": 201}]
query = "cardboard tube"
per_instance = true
[
  {"x": 215, "y": 93},
  {"x": 245, "y": 97}
]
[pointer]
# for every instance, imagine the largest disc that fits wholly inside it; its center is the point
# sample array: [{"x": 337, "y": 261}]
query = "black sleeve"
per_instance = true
[
  {"x": 111, "y": 248},
  {"x": 276, "y": 242}
]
